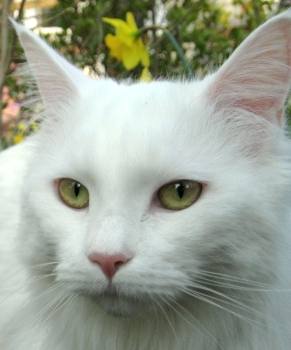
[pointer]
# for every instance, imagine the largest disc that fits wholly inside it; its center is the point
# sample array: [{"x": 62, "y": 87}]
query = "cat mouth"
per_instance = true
[{"x": 118, "y": 304}]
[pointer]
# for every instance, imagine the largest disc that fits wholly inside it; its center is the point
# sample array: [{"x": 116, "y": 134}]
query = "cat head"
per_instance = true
[{"x": 128, "y": 149}]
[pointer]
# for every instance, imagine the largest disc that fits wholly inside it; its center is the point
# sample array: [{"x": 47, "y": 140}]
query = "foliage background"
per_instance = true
[{"x": 206, "y": 31}]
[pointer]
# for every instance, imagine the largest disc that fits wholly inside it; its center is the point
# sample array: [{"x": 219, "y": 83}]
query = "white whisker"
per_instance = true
[
  {"x": 166, "y": 316},
  {"x": 193, "y": 321}
]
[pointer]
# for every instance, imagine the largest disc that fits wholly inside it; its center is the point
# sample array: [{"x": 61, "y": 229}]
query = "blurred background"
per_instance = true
[{"x": 150, "y": 39}]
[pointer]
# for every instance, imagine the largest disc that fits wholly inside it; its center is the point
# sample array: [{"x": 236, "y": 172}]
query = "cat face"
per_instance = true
[
  {"x": 123, "y": 143},
  {"x": 123, "y": 155}
]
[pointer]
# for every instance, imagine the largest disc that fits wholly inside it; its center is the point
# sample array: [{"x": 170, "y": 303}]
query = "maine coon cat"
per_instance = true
[{"x": 151, "y": 216}]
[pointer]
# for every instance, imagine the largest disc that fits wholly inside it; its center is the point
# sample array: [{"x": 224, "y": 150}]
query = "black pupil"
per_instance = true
[
  {"x": 180, "y": 189},
  {"x": 77, "y": 188}
]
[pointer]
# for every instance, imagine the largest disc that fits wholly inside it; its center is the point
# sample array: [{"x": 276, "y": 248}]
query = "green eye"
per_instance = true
[
  {"x": 73, "y": 193},
  {"x": 179, "y": 194}
]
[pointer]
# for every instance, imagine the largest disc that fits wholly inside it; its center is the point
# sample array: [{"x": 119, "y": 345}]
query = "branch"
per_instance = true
[
  {"x": 11, "y": 49},
  {"x": 7, "y": 49},
  {"x": 4, "y": 40},
  {"x": 3, "y": 55}
]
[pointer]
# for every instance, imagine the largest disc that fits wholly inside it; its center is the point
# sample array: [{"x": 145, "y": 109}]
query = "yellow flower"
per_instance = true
[
  {"x": 146, "y": 75},
  {"x": 21, "y": 127},
  {"x": 126, "y": 45},
  {"x": 18, "y": 138}
]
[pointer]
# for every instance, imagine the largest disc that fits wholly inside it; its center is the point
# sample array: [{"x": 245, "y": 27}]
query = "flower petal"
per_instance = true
[
  {"x": 126, "y": 46},
  {"x": 146, "y": 75},
  {"x": 130, "y": 57},
  {"x": 114, "y": 45},
  {"x": 115, "y": 22},
  {"x": 143, "y": 53},
  {"x": 125, "y": 35},
  {"x": 124, "y": 31},
  {"x": 131, "y": 21},
  {"x": 18, "y": 138}
]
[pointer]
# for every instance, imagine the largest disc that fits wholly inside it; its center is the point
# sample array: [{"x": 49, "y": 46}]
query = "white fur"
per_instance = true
[{"x": 214, "y": 276}]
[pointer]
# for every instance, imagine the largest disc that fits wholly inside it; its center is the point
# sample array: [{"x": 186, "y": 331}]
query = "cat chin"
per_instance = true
[{"x": 118, "y": 306}]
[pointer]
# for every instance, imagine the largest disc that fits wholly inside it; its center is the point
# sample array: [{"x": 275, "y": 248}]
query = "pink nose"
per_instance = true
[{"x": 109, "y": 264}]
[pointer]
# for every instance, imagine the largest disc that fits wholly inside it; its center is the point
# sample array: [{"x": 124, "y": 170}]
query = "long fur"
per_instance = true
[{"x": 214, "y": 276}]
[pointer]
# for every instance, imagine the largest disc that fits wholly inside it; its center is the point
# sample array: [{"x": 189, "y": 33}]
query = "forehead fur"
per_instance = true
[{"x": 161, "y": 124}]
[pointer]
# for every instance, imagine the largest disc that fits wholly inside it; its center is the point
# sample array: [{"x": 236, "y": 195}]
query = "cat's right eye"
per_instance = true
[{"x": 73, "y": 193}]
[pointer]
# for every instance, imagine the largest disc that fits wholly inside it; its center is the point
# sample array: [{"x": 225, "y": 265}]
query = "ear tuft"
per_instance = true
[
  {"x": 257, "y": 76},
  {"x": 58, "y": 80}
]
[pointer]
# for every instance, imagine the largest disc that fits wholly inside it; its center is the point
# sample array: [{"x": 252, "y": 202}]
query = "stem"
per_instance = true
[
  {"x": 155, "y": 67},
  {"x": 49, "y": 19},
  {"x": 146, "y": 29},
  {"x": 180, "y": 52},
  {"x": 174, "y": 43}
]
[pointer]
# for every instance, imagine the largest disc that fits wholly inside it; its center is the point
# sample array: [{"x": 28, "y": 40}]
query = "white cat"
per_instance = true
[{"x": 151, "y": 216}]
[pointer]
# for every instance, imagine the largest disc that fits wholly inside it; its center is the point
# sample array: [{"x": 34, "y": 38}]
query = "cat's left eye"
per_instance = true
[
  {"x": 179, "y": 194},
  {"x": 73, "y": 193}
]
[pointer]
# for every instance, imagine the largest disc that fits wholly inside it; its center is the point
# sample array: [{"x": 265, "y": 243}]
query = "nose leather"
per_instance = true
[{"x": 109, "y": 264}]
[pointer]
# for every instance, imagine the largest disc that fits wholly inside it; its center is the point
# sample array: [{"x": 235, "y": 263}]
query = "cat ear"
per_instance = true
[
  {"x": 257, "y": 76},
  {"x": 59, "y": 82}
]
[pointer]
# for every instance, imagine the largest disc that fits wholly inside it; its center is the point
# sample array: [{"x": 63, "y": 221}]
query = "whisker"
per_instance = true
[
  {"x": 164, "y": 313},
  {"x": 228, "y": 278},
  {"x": 44, "y": 264},
  {"x": 249, "y": 310},
  {"x": 47, "y": 306},
  {"x": 233, "y": 301},
  {"x": 63, "y": 301},
  {"x": 208, "y": 299},
  {"x": 197, "y": 324},
  {"x": 229, "y": 300},
  {"x": 210, "y": 281}
]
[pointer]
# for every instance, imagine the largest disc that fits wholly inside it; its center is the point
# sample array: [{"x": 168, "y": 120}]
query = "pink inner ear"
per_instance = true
[
  {"x": 263, "y": 95},
  {"x": 257, "y": 106},
  {"x": 256, "y": 77},
  {"x": 260, "y": 107}
]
